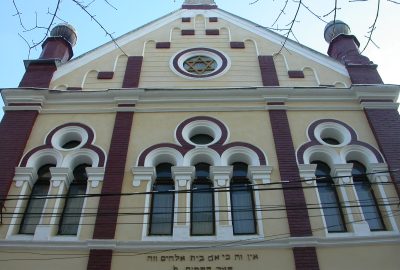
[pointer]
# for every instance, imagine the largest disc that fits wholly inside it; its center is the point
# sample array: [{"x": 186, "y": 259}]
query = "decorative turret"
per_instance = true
[
  {"x": 344, "y": 47},
  {"x": 199, "y": 4},
  {"x": 59, "y": 45},
  {"x": 56, "y": 50}
]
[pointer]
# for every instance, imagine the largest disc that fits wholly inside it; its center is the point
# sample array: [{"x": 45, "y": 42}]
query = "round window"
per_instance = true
[
  {"x": 201, "y": 139},
  {"x": 70, "y": 137},
  {"x": 199, "y": 63}
]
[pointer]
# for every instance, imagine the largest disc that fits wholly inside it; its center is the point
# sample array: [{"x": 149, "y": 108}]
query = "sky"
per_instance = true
[{"x": 131, "y": 14}]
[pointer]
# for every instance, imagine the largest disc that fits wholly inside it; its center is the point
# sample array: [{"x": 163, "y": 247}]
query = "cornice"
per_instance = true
[
  {"x": 290, "y": 242},
  {"x": 357, "y": 97}
]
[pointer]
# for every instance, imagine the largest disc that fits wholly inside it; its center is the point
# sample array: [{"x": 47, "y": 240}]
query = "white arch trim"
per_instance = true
[
  {"x": 200, "y": 154},
  {"x": 163, "y": 155},
  {"x": 43, "y": 157},
  {"x": 359, "y": 153},
  {"x": 322, "y": 153},
  {"x": 81, "y": 156},
  {"x": 240, "y": 154}
]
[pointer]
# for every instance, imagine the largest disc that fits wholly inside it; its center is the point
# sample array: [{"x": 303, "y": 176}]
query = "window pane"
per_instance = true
[
  {"x": 72, "y": 211},
  {"x": 202, "y": 220},
  {"x": 368, "y": 205},
  {"x": 331, "y": 208},
  {"x": 243, "y": 218},
  {"x": 162, "y": 211},
  {"x": 329, "y": 199},
  {"x": 34, "y": 208},
  {"x": 366, "y": 197}
]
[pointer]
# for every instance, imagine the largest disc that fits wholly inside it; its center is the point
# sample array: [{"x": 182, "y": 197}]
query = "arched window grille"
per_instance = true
[
  {"x": 202, "y": 203},
  {"x": 69, "y": 222},
  {"x": 162, "y": 205},
  {"x": 329, "y": 198},
  {"x": 242, "y": 201},
  {"x": 366, "y": 197},
  {"x": 34, "y": 208}
]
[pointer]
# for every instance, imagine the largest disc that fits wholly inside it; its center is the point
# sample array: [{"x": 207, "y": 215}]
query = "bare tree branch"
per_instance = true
[
  {"x": 19, "y": 15},
  {"x": 99, "y": 24},
  {"x": 313, "y": 13},
  {"x": 373, "y": 26},
  {"x": 291, "y": 26},
  {"x": 282, "y": 12}
]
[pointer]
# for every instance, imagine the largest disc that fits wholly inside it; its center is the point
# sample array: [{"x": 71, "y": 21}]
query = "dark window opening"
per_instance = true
[
  {"x": 331, "y": 141},
  {"x": 70, "y": 218},
  {"x": 201, "y": 139},
  {"x": 329, "y": 199},
  {"x": 366, "y": 197},
  {"x": 242, "y": 201},
  {"x": 202, "y": 202},
  {"x": 71, "y": 144},
  {"x": 34, "y": 208},
  {"x": 162, "y": 205}
]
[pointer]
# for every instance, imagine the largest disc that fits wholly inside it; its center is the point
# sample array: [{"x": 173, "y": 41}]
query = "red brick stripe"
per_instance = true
[
  {"x": 385, "y": 124},
  {"x": 299, "y": 222},
  {"x": 296, "y": 207},
  {"x": 187, "y": 32},
  {"x": 237, "y": 45},
  {"x": 296, "y": 74},
  {"x": 105, "y": 75},
  {"x": 100, "y": 259},
  {"x": 268, "y": 71},
  {"x": 163, "y": 45},
  {"x": 132, "y": 72},
  {"x": 305, "y": 258},
  {"x": 15, "y": 129},
  {"x": 212, "y": 32},
  {"x": 38, "y": 75},
  {"x": 114, "y": 174}
]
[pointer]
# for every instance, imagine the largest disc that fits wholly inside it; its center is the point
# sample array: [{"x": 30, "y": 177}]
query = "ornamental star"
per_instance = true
[{"x": 200, "y": 65}]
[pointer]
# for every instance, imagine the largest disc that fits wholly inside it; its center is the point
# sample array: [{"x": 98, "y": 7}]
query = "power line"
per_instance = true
[
  {"x": 232, "y": 244},
  {"x": 292, "y": 186}
]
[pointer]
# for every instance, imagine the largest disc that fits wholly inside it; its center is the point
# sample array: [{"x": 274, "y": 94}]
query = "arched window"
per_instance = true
[
  {"x": 34, "y": 208},
  {"x": 366, "y": 197},
  {"x": 202, "y": 207},
  {"x": 242, "y": 201},
  {"x": 329, "y": 198},
  {"x": 72, "y": 212},
  {"x": 162, "y": 205}
]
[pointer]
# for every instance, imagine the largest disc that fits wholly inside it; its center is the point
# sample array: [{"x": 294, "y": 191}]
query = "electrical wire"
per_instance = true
[{"x": 230, "y": 244}]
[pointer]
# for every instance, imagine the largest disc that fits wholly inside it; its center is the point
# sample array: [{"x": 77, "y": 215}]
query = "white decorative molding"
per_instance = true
[
  {"x": 342, "y": 172},
  {"x": 221, "y": 175},
  {"x": 140, "y": 174},
  {"x": 379, "y": 172},
  {"x": 59, "y": 175},
  {"x": 202, "y": 154},
  {"x": 332, "y": 130},
  {"x": 22, "y": 242},
  {"x": 25, "y": 174},
  {"x": 183, "y": 175},
  {"x": 307, "y": 172},
  {"x": 95, "y": 175},
  {"x": 262, "y": 173}
]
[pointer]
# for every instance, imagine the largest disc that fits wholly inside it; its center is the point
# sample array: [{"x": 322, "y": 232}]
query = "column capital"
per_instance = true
[
  {"x": 221, "y": 175},
  {"x": 183, "y": 174},
  {"x": 142, "y": 174},
  {"x": 95, "y": 175},
  {"x": 59, "y": 175},
  {"x": 25, "y": 174},
  {"x": 261, "y": 172},
  {"x": 307, "y": 172}
]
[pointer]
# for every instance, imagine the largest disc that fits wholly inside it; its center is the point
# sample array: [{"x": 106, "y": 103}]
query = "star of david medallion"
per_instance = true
[{"x": 200, "y": 63}]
